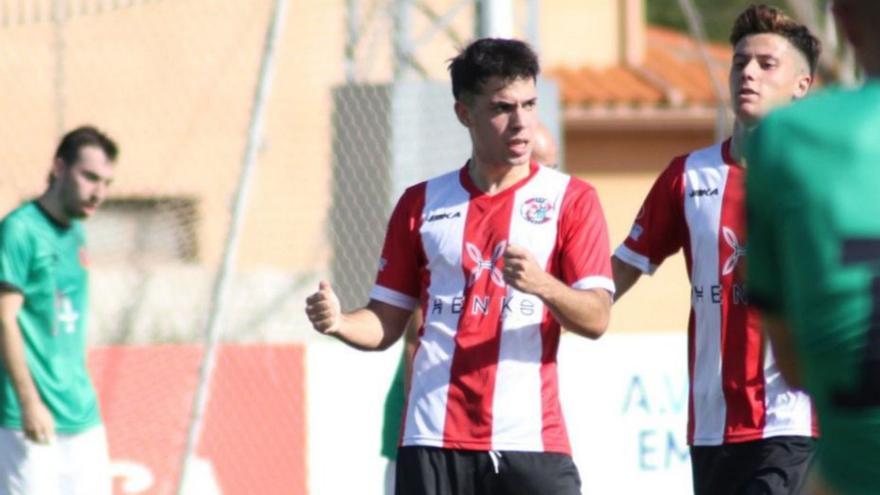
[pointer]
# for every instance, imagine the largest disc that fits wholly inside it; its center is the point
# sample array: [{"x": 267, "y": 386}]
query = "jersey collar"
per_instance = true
[{"x": 475, "y": 191}]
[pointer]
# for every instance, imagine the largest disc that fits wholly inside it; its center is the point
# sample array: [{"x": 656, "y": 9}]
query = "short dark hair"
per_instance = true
[
  {"x": 68, "y": 148},
  {"x": 760, "y": 19},
  {"x": 486, "y": 58}
]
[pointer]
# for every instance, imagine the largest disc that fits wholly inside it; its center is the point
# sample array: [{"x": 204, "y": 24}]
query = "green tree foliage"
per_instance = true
[{"x": 717, "y": 15}]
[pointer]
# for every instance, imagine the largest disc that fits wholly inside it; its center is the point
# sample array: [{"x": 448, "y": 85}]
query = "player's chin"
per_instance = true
[
  {"x": 749, "y": 114},
  {"x": 83, "y": 210},
  {"x": 519, "y": 160}
]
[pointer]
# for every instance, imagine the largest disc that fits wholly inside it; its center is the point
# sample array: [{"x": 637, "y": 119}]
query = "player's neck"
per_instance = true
[
  {"x": 737, "y": 141},
  {"x": 495, "y": 178},
  {"x": 51, "y": 204}
]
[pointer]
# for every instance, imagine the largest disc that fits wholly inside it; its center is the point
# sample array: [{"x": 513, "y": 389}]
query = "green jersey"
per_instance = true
[
  {"x": 44, "y": 261},
  {"x": 813, "y": 201}
]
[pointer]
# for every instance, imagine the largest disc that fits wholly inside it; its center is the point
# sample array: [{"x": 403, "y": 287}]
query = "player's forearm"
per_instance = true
[
  {"x": 15, "y": 363},
  {"x": 364, "y": 330},
  {"x": 585, "y": 312},
  {"x": 625, "y": 276}
]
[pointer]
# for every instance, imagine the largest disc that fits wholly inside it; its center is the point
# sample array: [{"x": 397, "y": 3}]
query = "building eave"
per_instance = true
[{"x": 648, "y": 118}]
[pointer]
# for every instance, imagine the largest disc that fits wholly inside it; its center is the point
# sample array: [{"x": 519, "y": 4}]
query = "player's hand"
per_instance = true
[
  {"x": 522, "y": 272},
  {"x": 37, "y": 423},
  {"x": 324, "y": 310}
]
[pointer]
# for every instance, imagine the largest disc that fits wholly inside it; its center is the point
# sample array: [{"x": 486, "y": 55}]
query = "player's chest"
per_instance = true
[
  {"x": 714, "y": 206},
  {"x": 477, "y": 232},
  {"x": 58, "y": 264}
]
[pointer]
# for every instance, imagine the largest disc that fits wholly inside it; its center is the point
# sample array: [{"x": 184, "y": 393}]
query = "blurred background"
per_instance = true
[{"x": 262, "y": 147}]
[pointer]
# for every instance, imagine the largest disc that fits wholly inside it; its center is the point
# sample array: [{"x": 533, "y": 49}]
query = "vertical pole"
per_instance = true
[
  {"x": 351, "y": 38},
  {"x": 59, "y": 17},
  {"x": 222, "y": 284},
  {"x": 533, "y": 24},
  {"x": 496, "y": 19}
]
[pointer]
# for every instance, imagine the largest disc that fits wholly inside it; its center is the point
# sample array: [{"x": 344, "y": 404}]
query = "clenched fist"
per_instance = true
[
  {"x": 324, "y": 310},
  {"x": 522, "y": 272}
]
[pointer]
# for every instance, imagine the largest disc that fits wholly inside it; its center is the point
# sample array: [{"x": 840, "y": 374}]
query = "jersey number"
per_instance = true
[{"x": 867, "y": 393}]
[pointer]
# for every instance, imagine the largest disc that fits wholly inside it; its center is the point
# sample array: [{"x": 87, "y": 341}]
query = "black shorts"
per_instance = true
[
  {"x": 772, "y": 466},
  {"x": 436, "y": 471}
]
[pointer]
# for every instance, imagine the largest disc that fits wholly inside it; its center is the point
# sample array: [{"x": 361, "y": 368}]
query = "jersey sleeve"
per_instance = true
[
  {"x": 400, "y": 265},
  {"x": 659, "y": 228},
  {"x": 762, "y": 268},
  {"x": 585, "y": 250},
  {"x": 15, "y": 255}
]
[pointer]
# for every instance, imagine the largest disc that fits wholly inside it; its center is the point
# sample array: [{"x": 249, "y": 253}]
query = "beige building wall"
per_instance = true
[
  {"x": 173, "y": 83},
  {"x": 597, "y": 33},
  {"x": 623, "y": 165}
]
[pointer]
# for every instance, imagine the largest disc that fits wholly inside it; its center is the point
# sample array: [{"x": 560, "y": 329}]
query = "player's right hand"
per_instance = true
[
  {"x": 324, "y": 310},
  {"x": 37, "y": 423}
]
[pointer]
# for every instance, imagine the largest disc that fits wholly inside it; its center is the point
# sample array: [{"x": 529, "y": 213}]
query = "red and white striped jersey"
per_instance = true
[
  {"x": 484, "y": 372},
  {"x": 736, "y": 392}
]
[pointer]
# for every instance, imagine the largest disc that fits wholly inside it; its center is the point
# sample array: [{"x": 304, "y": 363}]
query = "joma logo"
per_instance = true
[
  {"x": 704, "y": 192},
  {"x": 443, "y": 216}
]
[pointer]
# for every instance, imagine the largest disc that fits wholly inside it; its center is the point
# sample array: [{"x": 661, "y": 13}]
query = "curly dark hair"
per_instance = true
[
  {"x": 759, "y": 19},
  {"x": 491, "y": 57}
]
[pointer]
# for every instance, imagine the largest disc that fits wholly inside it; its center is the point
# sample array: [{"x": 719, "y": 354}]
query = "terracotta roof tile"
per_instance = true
[{"x": 672, "y": 74}]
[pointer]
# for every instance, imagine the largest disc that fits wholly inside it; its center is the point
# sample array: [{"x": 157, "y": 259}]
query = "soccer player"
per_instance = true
[
  {"x": 748, "y": 430},
  {"x": 497, "y": 254},
  {"x": 51, "y": 438},
  {"x": 814, "y": 259},
  {"x": 544, "y": 152}
]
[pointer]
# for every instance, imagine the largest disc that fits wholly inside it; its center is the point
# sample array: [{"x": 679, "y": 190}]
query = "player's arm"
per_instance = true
[
  {"x": 37, "y": 422},
  {"x": 374, "y": 327},
  {"x": 625, "y": 276},
  {"x": 657, "y": 231},
  {"x": 583, "y": 311}
]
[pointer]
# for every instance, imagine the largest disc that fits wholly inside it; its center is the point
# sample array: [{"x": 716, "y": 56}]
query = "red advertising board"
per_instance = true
[{"x": 254, "y": 431}]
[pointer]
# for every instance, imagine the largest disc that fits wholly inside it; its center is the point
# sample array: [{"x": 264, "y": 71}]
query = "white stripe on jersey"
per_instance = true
[
  {"x": 517, "y": 408},
  {"x": 394, "y": 298},
  {"x": 635, "y": 259},
  {"x": 595, "y": 282},
  {"x": 789, "y": 412},
  {"x": 702, "y": 174},
  {"x": 442, "y": 241}
]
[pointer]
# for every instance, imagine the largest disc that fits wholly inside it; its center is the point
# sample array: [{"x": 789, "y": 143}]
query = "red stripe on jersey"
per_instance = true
[
  {"x": 477, "y": 342},
  {"x": 742, "y": 360},
  {"x": 403, "y": 245}
]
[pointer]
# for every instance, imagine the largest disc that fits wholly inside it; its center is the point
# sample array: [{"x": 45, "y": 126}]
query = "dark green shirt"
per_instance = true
[{"x": 813, "y": 200}]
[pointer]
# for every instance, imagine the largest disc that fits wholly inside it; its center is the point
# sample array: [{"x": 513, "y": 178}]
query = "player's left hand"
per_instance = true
[{"x": 522, "y": 272}]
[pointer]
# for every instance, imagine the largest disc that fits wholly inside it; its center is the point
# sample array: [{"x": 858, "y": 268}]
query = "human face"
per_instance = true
[
  {"x": 767, "y": 71},
  {"x": 83, "y": 185},
  {"x": 501, "y": 120}
]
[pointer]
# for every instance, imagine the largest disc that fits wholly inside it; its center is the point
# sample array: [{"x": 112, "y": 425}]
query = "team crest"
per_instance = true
[{"x": 537, "y": 210}]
